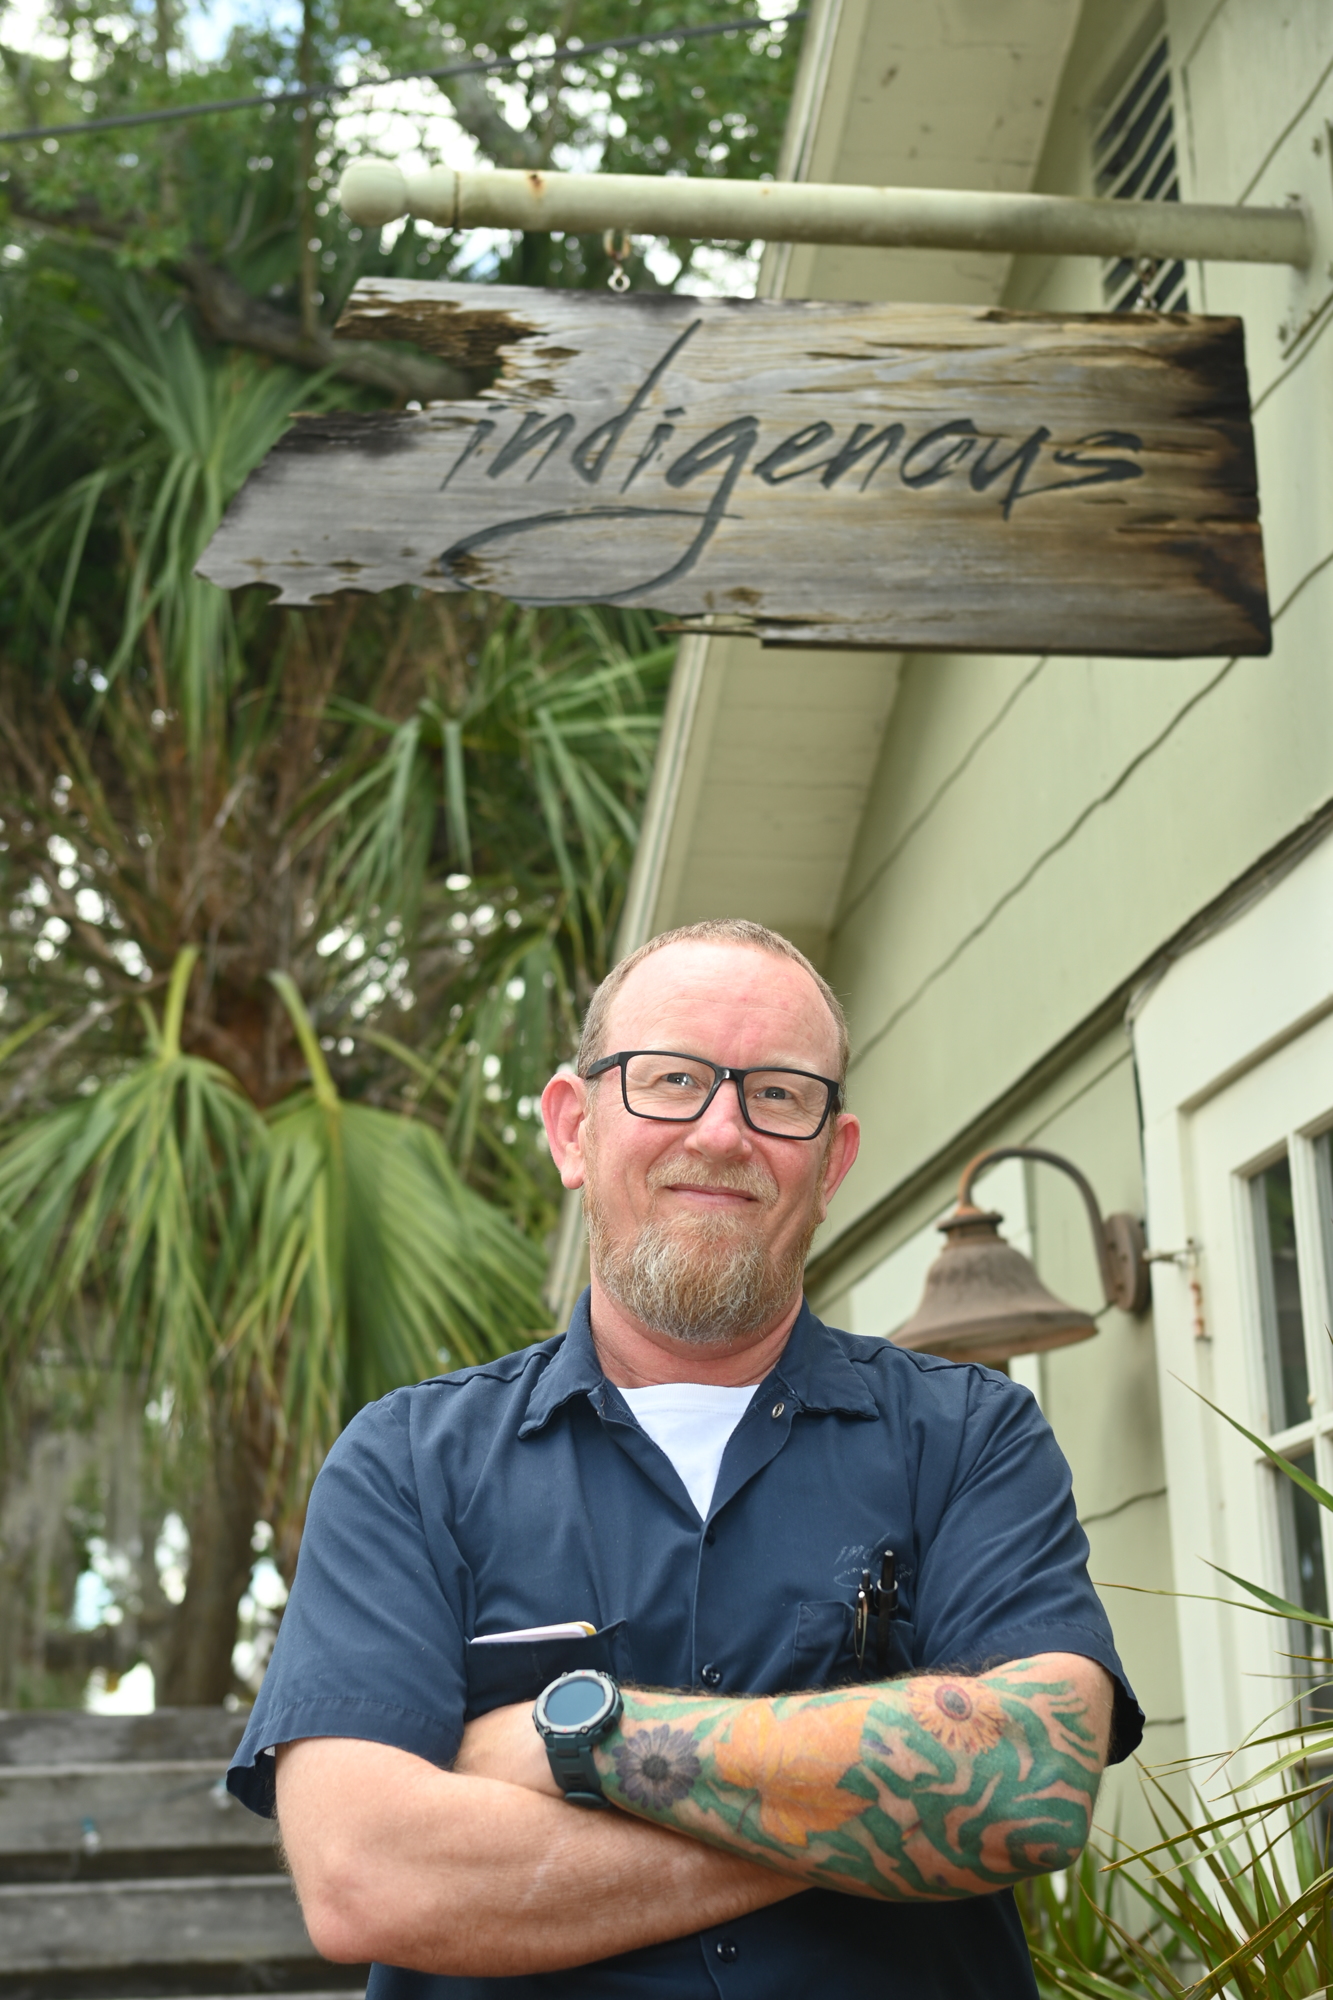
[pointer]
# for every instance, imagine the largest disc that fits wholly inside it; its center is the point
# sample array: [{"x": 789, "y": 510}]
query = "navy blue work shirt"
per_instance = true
[{"x": 524, "y": 1493}]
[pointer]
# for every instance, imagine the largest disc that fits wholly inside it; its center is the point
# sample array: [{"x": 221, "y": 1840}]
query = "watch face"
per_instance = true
[{"x": 574, "y": 1703}]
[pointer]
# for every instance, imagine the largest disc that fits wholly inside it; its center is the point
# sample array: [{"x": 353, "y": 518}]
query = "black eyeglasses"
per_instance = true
[{"x": 677, "y": 1089}]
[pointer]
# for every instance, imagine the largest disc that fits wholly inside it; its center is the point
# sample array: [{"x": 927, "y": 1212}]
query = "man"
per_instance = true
[{"x": 700, "y": 1473}]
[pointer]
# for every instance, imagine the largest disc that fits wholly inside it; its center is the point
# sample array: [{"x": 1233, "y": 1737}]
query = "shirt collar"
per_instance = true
[
  {"x": 817, "y": 1373},
  {"x": 574, "y": 1371},
  {"x": 812, "y": 1368}
]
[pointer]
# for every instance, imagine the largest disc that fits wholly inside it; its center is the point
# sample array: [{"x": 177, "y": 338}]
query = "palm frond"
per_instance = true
[
  {"x": 374, "y": 1264},
  {"x": 135, "y": 1196}
]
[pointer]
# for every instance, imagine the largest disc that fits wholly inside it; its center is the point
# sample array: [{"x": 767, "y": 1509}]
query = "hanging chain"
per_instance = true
[{"x": 1145, "y": 274}]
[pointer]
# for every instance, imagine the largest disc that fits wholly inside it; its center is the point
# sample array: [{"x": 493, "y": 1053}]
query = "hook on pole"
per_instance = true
[{"x": 619, "y": 248}]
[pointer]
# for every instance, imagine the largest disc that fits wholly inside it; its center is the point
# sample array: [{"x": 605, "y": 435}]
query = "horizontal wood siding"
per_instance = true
[{"x": 1038, "y": 829}]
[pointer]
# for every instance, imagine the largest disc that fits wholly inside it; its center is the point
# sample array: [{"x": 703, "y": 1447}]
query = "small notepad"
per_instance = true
[{"x": 577, "y": 1628}]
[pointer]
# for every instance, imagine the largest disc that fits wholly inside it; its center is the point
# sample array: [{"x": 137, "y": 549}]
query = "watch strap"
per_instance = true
[{"x": 575, "y": 1771}]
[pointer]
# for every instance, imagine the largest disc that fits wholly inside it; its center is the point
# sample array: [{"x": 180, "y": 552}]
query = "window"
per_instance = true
[
  {"x": 1134, "y": 159},
  {"x": 1234, "y": 1050},
  {"x": 1279, "y": 1302},
  {"x": 1298, "y": 1416}
]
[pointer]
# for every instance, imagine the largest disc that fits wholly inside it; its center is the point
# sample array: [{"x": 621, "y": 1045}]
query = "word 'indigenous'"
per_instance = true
[{"x": 821, "y": 452}]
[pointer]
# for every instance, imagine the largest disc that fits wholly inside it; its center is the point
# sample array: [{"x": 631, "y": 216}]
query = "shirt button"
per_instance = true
[
  {"x": 727, "y": 1951},
  {"x": 711, "y": 1677},
  {"x": 778, "y": 1408}
]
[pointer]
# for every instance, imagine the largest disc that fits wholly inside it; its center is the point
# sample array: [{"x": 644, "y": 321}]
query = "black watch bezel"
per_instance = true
[{"x": 569, "y": 1748}]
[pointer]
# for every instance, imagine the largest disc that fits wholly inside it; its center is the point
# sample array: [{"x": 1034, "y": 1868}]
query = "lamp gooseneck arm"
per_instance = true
[{"x": 1113, "y": 1286}]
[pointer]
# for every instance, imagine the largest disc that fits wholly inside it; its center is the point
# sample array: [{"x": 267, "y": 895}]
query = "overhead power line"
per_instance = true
[{"x": 318, "y": 92}]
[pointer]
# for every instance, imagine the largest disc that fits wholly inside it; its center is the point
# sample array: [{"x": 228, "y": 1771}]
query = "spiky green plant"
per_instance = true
[
  {"x": 1070, "y": 1927},
  {"x": 1237, "y": 1903}
]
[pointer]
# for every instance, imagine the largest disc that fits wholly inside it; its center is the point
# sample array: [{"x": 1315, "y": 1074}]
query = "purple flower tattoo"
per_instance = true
[{"x": 655, "y": 1767}]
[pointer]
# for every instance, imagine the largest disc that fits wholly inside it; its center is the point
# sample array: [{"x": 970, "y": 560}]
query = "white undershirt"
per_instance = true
[{"x": 691, "y": 1421}]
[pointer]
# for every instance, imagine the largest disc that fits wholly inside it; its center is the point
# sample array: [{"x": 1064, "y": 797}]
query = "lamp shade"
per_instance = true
[{"x": 983, "y": 1300}]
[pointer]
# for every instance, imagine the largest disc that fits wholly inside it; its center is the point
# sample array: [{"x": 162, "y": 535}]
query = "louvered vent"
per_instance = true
[{"x": 1134, "y": 159}]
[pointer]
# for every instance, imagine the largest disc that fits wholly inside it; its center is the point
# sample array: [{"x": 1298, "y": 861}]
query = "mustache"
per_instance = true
[{"x": 736, "y": 1178}]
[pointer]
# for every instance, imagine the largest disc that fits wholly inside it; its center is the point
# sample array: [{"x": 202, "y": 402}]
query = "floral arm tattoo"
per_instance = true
[{"x": 917, "y": 1790}]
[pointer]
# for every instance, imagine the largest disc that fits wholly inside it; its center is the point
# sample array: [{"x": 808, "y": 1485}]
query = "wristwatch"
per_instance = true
[{"x": 570, "y": 1716}]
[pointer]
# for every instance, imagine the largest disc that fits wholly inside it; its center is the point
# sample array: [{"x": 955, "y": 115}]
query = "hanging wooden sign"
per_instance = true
[{"x": 906, "y": 477}]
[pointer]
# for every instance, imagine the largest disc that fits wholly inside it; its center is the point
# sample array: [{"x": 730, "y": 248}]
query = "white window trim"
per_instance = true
[{"x": 1234, "y": 1002}]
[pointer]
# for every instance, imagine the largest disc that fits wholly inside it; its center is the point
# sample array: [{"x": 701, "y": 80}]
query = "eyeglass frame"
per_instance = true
[{"x": 721, "y": 1074}]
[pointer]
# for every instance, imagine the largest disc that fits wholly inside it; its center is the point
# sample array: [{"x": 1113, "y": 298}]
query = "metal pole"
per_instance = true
[{"x": 376, "y": 192}]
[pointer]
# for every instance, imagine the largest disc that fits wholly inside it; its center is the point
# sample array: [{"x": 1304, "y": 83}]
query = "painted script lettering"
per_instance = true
[{"x": 640, "y": 446}]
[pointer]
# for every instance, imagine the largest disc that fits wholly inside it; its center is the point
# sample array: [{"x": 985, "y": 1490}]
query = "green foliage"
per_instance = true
[
  {"x": 272, "y": 1200},
  {"x": 297, "y": 910},
  {"x": 1071, "y": 1931},
  {"x": 275, "y": 1201},
  {"x": 532, "y": 780},
  {"x": 143, "y": 1192},
  {"x": 325, "y": 1253},
  {"x": 229, "y": 204},
  {"x": 1238, "y": 1903}
]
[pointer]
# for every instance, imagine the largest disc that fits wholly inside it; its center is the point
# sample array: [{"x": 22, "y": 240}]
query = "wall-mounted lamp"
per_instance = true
[{"x": 983, "y": 1300}]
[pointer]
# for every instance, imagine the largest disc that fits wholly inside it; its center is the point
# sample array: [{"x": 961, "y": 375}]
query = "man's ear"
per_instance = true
[
  {"x": 843, "y": 1149},
  {"x": 565, "y": 1108}
]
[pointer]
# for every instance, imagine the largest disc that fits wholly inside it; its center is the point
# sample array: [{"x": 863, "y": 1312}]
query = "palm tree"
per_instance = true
[{"x": 266, "y": 1143}]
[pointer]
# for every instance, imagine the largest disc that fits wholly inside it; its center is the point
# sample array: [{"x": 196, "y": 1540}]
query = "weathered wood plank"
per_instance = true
[
  {"x": 855, "y": 475},
  {"x": 125, "y": 1807},
  {"x": 52, "y": 1736},
  {"x": 198, "y": 1920}
]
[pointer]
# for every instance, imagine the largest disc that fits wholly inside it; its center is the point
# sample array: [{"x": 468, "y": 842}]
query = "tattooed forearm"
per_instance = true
[{"x": 928, "y": 1788}]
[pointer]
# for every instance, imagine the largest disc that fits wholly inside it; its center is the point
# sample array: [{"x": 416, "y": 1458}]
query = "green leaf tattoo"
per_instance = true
[{"x": 924, "y": 1789}]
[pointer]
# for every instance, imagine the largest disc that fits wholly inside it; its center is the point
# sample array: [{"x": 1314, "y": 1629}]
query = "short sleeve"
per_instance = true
[
  {"x": 1005, "y": 1573},
  {"x": 371, "y": 1642}
]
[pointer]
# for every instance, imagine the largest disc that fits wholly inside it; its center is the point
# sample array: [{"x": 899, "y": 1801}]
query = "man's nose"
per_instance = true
[{"x": 722, "y": 1129}]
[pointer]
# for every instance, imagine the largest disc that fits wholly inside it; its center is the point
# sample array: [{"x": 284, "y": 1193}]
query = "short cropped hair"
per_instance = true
[{"x": 714, "y": 930}]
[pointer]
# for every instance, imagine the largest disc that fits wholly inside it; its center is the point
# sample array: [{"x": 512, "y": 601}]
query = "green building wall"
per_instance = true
[{"x": 1040, "y": 831}]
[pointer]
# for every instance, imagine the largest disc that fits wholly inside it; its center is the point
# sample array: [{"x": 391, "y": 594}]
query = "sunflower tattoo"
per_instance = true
[
  {"x": 963, "y": 1717},
  {"x": 655, "y": 1767}
]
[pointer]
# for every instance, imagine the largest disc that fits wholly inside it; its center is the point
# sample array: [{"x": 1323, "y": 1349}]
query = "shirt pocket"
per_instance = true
[
  {"x": 497, "y": 1675},
  {"x": 824, "y": 1650},
  {"x": 822, "y": 1653}
]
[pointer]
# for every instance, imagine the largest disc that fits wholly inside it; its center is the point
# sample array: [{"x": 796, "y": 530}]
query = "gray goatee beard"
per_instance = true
[{"x": 700, "y": 1280}]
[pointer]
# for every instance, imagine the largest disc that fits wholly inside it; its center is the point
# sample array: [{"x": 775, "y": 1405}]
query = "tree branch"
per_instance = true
[
  {"x": 481, "y": 117},
  {"x": 233, "y": 316}
]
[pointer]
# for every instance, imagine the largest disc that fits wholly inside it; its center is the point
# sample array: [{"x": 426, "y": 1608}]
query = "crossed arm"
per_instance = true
[{"x": 935, "y": 1787}]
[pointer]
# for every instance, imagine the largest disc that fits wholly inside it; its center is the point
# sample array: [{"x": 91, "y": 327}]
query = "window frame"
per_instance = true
[{"x": 1234, "y": 1054}]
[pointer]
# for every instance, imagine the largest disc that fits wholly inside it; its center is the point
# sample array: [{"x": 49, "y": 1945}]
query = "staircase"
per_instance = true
[{"x": 127, "y": 1872}]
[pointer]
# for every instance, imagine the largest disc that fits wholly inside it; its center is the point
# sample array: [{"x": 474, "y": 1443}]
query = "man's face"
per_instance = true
[{"x": 700, "y": 1230}]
